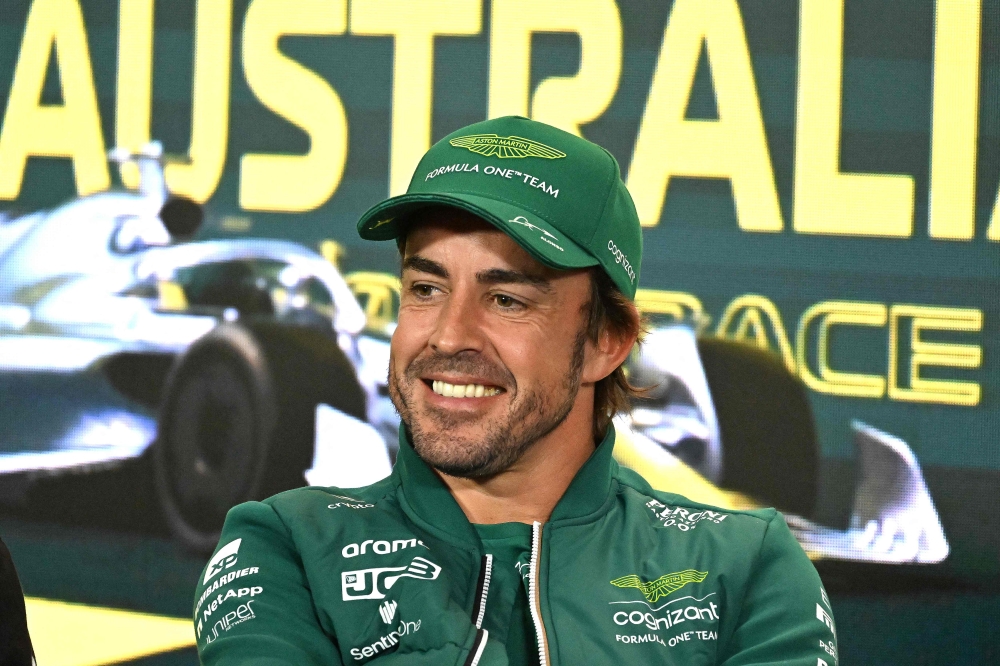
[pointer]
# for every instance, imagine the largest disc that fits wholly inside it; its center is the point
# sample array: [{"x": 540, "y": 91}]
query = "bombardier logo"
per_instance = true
[
  {"x": 225, "y": 558},
  {"x": 506, "y": 146},
  {"x": 374, "y": 583},
  {"x": 664, "y": 585}
]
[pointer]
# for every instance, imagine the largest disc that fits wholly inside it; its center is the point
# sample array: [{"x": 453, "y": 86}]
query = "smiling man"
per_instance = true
[{"x": 506, "y": 533}]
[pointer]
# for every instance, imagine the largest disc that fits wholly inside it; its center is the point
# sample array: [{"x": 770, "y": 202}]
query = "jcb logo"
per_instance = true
[{"x": 374, "y": 583}]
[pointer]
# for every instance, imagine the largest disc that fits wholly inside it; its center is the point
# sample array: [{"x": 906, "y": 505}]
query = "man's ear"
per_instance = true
[{"x": 610, "y": 350}]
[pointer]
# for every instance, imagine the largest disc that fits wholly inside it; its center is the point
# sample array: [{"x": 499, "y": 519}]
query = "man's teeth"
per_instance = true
[{"x": 463, "y": 390}]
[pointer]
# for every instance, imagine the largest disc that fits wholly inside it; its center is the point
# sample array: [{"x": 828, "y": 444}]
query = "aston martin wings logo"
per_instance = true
[
  {"x": 662, "y": 586},
  {"x": 505, "y": 146}
]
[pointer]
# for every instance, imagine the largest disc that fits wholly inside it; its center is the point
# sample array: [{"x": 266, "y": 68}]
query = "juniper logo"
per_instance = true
[
  {"x": 504, "y": 147},
  {"x": 662, "y": 586}
]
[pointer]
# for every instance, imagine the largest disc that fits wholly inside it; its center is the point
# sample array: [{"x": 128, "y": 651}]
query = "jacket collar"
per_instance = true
[{"x": 433, "y": 503}]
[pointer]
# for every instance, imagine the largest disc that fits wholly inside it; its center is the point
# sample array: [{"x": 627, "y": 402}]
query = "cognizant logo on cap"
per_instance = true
[{"x": 620, "y": 258}]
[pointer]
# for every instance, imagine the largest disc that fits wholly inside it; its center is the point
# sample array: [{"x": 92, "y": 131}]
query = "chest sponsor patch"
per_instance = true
[
  {"x": 374, "y": 583},
  {"x": 350, "y": 503},
  {"x": 681, "y": 518},
  {"x": 664, "y": 585}
]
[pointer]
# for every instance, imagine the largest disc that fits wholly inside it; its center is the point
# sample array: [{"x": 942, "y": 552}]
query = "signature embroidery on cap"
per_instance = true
[
  {"x": 546, "y": 236},
  {"x": 506, "y": 146},
  {"x": 381, "y": 222}
]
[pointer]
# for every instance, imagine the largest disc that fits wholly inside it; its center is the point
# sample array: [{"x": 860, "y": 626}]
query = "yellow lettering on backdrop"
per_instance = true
[
  {"x": 744, "y": 320},
  {"x": 71, "y": 129},
  {"x": 680, "y": 306},
  {"x": 830, "y": 314},
  {"x": 209, "y": 104},
  {"x": 826, "y": 200},
  {"x": 135, "y": 81},
  {"x": 564, "y": 101},
  {"x": 732, "y": 147},
  {"x": 940, "y": 354},
  {"x": 955, "y": 120},
  {"x": 413, "y": 25},
  {"x": 993, "y": 232},
  {"x": 280, "y": 182}
]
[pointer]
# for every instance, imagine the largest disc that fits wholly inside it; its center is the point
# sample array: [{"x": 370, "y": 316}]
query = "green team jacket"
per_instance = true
[{"x": 394, "y": 573}]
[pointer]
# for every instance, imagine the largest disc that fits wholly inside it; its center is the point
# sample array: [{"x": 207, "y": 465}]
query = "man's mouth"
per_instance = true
[{"x": 463, "y": 390}]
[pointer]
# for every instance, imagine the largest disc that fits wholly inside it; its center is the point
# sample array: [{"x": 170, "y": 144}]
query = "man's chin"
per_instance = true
[
  {"x": 479, "y": 465},
  {"x": 462, "y": 451}
]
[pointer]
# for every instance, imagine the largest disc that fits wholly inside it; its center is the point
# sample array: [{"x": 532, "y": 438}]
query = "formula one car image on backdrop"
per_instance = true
[
  {"x": 246, "y": 367},
  {"x": 118, "y": 331}
]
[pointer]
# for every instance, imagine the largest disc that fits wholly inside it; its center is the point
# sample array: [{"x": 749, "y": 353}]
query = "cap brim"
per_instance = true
[{"x": 386, "y": 221}]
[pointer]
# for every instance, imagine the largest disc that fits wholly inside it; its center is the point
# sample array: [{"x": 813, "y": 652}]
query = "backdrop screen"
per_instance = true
[{"x": 815, "y": 180}]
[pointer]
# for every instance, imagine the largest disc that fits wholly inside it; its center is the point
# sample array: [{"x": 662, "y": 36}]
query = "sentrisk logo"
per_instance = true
[
  {"x": 225, "y": 558},
  {"x": 374, "y": 583}
]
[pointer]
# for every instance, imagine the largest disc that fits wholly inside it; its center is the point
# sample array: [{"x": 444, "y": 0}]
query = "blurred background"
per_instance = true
[{"x": 188, "y": 319}]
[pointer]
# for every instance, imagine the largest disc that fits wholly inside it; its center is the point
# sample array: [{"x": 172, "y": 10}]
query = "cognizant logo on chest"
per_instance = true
[{"x": 662, "y": 623}]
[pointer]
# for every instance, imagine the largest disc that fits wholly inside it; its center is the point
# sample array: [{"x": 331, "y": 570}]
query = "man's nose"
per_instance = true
[{"x": 458, "y": 325}]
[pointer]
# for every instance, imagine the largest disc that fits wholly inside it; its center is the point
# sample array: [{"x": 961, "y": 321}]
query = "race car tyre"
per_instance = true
[
  {"x": 237, "y": 422},
  {"x": 769, "y": 445}
]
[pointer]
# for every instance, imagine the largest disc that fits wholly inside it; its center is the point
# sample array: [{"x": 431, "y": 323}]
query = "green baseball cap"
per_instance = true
[{"x": 559, "y": 196}]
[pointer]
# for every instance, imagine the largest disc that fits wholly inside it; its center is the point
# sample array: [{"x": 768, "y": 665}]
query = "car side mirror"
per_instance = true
[{"x": 182, "y": 217}]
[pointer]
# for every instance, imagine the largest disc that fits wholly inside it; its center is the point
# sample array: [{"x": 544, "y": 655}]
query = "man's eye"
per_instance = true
[
  {"x": 422, "y": 290},
  {"x": 506, "y": 302}
]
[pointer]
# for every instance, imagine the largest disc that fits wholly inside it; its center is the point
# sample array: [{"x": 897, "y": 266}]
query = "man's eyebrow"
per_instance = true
[
  {"x": 424, "y": 265},
  {"x": 504, "y": 276}
]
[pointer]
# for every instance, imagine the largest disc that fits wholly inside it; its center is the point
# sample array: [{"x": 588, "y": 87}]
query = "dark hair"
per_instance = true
[{"x": 610, "y": 311}]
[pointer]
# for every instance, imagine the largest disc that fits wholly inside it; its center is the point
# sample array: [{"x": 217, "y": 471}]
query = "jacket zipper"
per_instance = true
[
  {"x": 479, "y": 611},
  {"x": 479, "y": 607},
  {"x": 534, "y": 594}
]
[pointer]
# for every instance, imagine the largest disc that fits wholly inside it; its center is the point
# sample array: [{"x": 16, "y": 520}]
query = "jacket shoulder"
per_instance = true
[
  {"x": 310, "y": 496},
  {"x": 638, "y": 489}
]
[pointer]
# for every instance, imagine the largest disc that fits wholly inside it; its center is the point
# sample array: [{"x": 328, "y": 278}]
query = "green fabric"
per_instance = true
[
  {"x": 559, "y": 196},
  {"x": 388, "y": 574},
  {"x": 510, "y": 545}
]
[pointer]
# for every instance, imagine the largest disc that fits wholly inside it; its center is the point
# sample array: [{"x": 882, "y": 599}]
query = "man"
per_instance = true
[{"x": 506, "y": 533}]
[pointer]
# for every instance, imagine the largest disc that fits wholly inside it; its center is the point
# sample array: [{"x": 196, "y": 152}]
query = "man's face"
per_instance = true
[{"x": 490, "y": 345}]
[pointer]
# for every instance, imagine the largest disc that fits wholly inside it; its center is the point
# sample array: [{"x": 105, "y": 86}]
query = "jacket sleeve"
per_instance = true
[
  {"x": 785, "y": 617},
  {"x": 253, "y": 604}
]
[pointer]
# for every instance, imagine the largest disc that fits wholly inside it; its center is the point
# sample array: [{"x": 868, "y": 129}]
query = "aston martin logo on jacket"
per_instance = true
[{"x": 662, "y": 586}]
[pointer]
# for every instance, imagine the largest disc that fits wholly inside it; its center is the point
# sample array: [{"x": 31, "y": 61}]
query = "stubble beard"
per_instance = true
[{"x": 505, "y": 439}]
